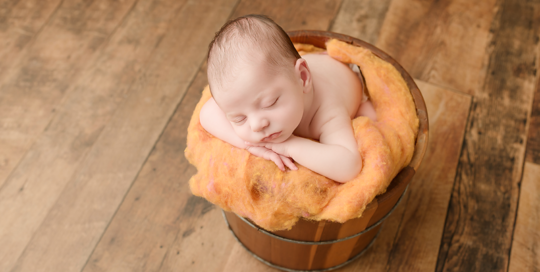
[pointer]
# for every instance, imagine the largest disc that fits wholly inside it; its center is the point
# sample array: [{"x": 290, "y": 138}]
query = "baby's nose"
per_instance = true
[{"x": 259, "y": 124}]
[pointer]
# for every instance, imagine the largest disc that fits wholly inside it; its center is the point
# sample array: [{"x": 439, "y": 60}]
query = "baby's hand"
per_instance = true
[
  {"x": 265, "y": 153},
  {"x": 280, "y": 148}
]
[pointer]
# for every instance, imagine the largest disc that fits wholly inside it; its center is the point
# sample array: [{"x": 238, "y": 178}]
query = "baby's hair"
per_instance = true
[{"x": 243, "y": 36}]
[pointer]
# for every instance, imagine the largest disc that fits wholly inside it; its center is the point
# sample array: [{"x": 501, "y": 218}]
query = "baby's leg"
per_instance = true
[{"x": 366, "y": 109}]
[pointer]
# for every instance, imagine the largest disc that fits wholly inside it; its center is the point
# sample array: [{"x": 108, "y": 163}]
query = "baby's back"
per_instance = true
[
  {"x": 337, "y": 91},
  {"x": 335, "y": 84}
]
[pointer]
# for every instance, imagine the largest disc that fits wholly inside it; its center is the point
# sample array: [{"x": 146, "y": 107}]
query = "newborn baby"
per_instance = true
[{"x": 270, "y": 101}]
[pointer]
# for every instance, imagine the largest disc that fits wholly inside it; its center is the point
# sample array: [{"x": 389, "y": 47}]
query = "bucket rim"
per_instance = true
[{"x": 354, "y": 258}]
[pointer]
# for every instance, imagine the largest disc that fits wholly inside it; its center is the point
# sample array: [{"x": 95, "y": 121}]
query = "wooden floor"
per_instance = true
[{"x": 95, "y": 99}]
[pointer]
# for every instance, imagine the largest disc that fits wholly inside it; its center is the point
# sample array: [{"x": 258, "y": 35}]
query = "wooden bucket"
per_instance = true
[{"x": 325, "y": 245}]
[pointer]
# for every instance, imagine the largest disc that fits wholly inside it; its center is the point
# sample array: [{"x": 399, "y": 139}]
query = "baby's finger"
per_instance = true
[
  {"x": 254, "y": 144},
  {"x": 288, "y": 162},
  {"x": 277, "y": 160}
]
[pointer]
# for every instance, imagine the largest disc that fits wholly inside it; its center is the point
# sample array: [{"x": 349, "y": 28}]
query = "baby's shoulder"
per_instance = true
[{"x": 335, "y": 84}]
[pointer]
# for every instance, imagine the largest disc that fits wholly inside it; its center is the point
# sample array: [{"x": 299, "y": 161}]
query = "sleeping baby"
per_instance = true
[{"x": 280, "y": 106}]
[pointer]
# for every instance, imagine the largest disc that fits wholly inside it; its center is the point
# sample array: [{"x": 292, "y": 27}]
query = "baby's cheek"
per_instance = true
[
  {"x": 243, "y": 134},
  {"x": 292, "y": 116}
]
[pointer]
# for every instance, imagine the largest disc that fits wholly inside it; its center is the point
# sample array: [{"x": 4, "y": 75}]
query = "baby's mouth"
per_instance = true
[{"x": 271, "y": 137}]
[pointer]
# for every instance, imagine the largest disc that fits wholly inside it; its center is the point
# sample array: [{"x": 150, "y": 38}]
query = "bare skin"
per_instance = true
[{"x": 272, "y": 113}]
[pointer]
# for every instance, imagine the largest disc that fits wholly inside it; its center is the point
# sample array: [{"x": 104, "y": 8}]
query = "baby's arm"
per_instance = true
[
  {"x": 336, "y": 156},
  {"x": 215, "y": 122},
  {"x": 366, "y": 109}
]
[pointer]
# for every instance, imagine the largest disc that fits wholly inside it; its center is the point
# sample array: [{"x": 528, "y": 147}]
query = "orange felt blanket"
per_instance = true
[{"x": 252, "y": 187}]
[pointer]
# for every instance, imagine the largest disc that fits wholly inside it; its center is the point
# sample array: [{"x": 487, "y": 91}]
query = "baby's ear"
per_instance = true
[{"x": 304, "y": 75}]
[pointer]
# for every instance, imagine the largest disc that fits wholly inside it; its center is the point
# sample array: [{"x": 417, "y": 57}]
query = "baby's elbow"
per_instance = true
[
  {"x": 205, "y": 117},
  {"x": 353, "y": 168}
]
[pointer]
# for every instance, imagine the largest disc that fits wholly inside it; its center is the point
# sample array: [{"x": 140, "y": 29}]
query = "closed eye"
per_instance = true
[
  {"x": 238, "y": 120},
  {"x": 273, "y": 103}
]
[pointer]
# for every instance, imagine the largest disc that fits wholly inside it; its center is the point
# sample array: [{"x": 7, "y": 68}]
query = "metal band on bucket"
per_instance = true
[{"x": 295, "y": 270}]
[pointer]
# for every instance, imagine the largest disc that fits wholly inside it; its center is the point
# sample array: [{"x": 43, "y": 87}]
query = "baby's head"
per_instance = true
[
  {"x": 244, "y": 40},
  {"x": 257, "y": 78}
]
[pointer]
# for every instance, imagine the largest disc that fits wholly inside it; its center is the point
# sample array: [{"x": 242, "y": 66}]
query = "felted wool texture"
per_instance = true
[{"x": 255, "y": 188}]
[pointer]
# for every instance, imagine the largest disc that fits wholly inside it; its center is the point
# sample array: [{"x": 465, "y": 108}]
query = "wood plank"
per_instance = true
[
  {"x": 160, "y": 186},
  {"x": 480, "y": 221},
  {"x": 30, "y": 91},
  {"x": 241, "y": 260},
  {"x": 411, "y": 237},
  {"x": 138, "y": 236},
  {"x": 525, "y": 255},
  {"x": 533, "y": 140},
  {"x": 87, "y": 107},
  {"x": 293, "y": 15},
  {"x": 27, "y": 106},
  {"x": 441, "y": 42},
  {"x": 206, "y": 244},
  {"x": 94, "y": 192},
  {"x": 361, "y": 19},
  {"x": 20, "y": 22}
]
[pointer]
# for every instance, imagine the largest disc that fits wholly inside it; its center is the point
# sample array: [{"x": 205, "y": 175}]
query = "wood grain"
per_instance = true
[
  {"x": 293, "y": 15},
  {"x": 20, "y": 22},
  {"x": 29, "y": 97},
  {"x": 160, "y": 186},
  {"x": 525, "y": 255},
  {"x": 30, "y": 91},
  {"x": 242, "y": 261},
  {"x": 361, "y": 19},
  {"x": 131, "y": 241},
  {"x": 87, "y": 108},
  {"x": 481, "y": 217},
  {"x": 207, "y": 237},
  {"x": 97, "y": 188},
  {"x": 440, "y": 42},
  {"x": 533, "y": 140}
]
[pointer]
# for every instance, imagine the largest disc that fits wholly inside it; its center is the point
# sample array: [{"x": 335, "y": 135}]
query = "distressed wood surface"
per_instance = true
[
  {"x": 101, "y": 182},
  {"x": 159, "y": 208},
  {"x": 481, "y": 217},
  {"x": 525, "y": 247},
  {"x": 78, "y": 124},
  {"x": 533, "y": 140},
  {"x": 31, "y": 90},
  {"x": 361, "y": 19},
  {"x": 293, "y": 15},
  {"x": 20, "y": 22},
  {"x": 440, "y": 42},
  {"x": 30, "y": 94},
  {"x": 96, "y": 96}
]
